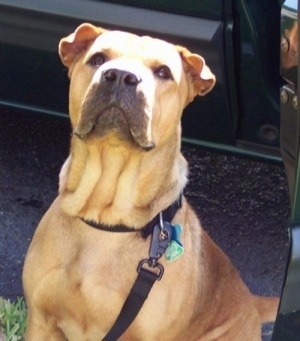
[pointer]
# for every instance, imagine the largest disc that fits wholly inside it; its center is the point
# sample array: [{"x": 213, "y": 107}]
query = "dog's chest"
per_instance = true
[{"x": 96, "y": 282}]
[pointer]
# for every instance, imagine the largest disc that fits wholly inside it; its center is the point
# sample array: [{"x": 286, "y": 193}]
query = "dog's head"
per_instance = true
[{"x": 129, "y": 85}]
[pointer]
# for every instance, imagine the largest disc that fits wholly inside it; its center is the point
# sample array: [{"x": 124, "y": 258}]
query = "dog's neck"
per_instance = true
[{"x": 121, "y": 184}]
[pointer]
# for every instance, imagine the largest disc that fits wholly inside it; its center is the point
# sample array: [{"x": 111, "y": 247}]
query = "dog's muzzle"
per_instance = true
[{"x": 116, "y": 104}]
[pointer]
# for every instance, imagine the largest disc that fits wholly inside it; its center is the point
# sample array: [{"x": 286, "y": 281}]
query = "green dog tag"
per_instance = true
[
  {"x": 175, "y": 248},
  {"x": 173, "y": 251}
]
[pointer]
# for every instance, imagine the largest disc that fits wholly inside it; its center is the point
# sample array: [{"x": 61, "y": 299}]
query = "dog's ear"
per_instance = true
[
  {"x": 77, "y": 42},
  {"x": 203, "y": 79}
]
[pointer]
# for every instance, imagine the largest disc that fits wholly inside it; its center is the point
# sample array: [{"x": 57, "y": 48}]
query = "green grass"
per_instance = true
[{"x": 13, "y": 319}]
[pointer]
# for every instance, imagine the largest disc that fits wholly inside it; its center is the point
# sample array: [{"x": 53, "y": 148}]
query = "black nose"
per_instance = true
[{"x": 119, "y": 76}]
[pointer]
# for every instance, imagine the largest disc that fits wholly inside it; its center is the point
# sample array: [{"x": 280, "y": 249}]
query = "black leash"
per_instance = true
[
  {"x": 149, "y": 270},
  {"x": 134, "y": 302},
  {"x": 161, "y": 237}
]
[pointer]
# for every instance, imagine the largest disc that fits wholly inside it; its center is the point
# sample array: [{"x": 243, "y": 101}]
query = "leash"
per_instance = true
[
  {"x": 149, "y": 269},
  {"x": 143, "y": 284},
  {"x": 133, "y": 304}
]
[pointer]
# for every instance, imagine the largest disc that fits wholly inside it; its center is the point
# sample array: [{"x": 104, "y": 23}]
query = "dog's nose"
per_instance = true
[{"x": 122, "y": 77}]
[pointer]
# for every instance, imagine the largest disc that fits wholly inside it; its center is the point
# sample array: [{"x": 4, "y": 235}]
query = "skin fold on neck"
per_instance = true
[{"x": 103, "y": 182}]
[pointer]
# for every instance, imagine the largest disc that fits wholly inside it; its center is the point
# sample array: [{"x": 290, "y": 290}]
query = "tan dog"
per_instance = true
[{"x": 127, "y": 94}]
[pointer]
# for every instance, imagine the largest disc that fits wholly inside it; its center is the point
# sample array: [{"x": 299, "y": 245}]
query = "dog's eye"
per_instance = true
[
  {"x": 163, "y": 72},
  {"x": 97, "y": 60}
]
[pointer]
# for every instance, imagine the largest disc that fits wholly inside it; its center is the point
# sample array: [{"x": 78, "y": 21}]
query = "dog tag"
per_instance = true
[
  {"x": 176, "y": 233},
  {"x": 175, "y": 248},
  {"x": 174, "y": 251}
]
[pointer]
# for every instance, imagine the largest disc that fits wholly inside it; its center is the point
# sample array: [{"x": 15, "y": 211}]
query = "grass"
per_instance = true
[{"x": 12, "y": 319}]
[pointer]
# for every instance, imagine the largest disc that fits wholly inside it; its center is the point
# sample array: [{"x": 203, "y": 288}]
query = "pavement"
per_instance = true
[{"x": 242, "y": 203}]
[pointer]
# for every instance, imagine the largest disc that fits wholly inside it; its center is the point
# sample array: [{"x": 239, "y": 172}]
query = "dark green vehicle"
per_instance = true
[{"x": 251, "y": 46}]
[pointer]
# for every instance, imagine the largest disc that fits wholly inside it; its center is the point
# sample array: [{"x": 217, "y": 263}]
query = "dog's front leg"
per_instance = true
[{"x": 42, "y": 330}]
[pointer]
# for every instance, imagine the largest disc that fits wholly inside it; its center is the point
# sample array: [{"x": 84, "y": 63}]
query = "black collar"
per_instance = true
[{"x": 168, "y": 214}]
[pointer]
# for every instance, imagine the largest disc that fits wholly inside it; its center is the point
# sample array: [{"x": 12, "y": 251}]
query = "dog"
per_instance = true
[{"x": 121, "y": 207}]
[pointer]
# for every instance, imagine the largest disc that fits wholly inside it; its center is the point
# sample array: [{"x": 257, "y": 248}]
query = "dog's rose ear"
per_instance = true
[
  {"x": 202, "y": 78},
  {"x": 72, "y": 45}
]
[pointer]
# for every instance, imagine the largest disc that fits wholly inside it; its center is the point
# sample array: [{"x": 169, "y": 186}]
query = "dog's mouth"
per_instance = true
[
  {"x": 129, "y": 126},
  {"x": 115, "y": 104}
]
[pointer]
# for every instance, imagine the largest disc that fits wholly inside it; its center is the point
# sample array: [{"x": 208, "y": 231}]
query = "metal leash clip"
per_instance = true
[{"x": 161, "y": 237}]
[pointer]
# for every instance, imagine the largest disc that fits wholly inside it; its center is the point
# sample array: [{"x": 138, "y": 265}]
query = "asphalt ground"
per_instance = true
[{"x": 242, "y": 203}]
